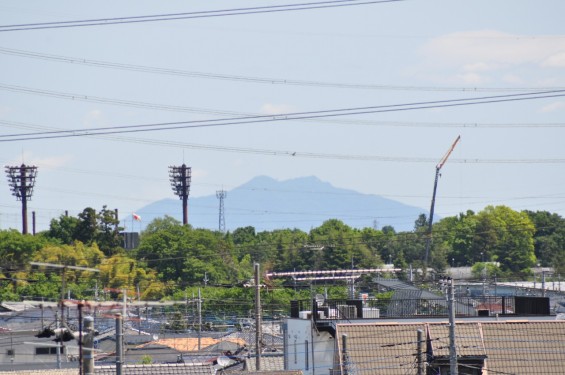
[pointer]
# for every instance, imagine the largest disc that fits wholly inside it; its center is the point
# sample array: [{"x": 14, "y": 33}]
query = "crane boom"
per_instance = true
[
  {"x": 446, "y": 156},
  {"x": 430, "y": 221}
]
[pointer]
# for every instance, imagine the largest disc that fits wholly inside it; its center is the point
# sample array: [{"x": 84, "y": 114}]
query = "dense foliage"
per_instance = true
[{"x": 172, "y": 259}]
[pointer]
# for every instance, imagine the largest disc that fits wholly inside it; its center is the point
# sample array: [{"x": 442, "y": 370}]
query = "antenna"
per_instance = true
[{"x": 221, "y": 195}]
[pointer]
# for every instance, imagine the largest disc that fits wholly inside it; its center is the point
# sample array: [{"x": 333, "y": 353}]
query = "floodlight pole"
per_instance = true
[
  {"x": 21, "y": 180},
  {"x": 180, "y": 178}
]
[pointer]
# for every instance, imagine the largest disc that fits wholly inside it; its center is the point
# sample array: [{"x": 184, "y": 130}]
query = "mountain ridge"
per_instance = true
[{"x": 299, "y": 203}]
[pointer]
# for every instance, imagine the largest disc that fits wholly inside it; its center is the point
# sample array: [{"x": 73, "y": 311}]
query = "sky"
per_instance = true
[{"x": 415, "y": 67}]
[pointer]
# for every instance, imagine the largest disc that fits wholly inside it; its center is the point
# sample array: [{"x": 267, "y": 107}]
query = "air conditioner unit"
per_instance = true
[
  {"x": 371, "y": 313},
  {"x": 346, "y": 312},
  {"x": 305, "y": 314}
]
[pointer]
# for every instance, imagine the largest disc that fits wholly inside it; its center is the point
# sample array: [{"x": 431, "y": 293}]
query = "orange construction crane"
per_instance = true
[{"x": 431, "y": 219}]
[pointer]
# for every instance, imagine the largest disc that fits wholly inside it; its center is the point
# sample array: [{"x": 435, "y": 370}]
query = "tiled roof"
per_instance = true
[
  {"x": 268, "y": 363},
  {"x": 161, "y": 369},
  {"x": 507, "y": 347}
]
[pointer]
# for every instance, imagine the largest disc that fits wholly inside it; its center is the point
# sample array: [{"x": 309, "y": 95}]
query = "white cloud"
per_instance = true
[
  {"x": 471, "y": 78},
  {"x": 94, "y": 118},
  {"x": 199, "y": 173},
  {"x": 276, "y": 109},
  {"x": 491, "y": 47},
  {"x": 556, "y": 60},
  {"x": 472, "y": 54},
  {"x": 557, "y": 106},
  {"x": 50, "y": 162},
  {"x": 513, "y": 79}
]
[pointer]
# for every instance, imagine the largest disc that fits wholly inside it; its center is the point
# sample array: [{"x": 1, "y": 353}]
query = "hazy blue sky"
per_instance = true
[{"x": 389, "y": 53}]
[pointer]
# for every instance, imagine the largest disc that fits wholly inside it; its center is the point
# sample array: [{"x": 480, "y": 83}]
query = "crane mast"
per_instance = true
[{"x": 431, "y": 218}]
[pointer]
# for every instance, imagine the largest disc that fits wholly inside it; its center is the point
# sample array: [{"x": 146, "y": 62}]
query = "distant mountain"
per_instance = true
[{"x": 303, "y": 203}]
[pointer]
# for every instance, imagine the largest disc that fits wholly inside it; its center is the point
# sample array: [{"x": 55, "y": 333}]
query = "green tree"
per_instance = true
[
  {"x": 108, "y": 234},
  {"x": 513, "y": 238},
  {"x": 63, "y": 229},
  {"x": 17, "y": 250},
  {"x": 549, "y": 238}
]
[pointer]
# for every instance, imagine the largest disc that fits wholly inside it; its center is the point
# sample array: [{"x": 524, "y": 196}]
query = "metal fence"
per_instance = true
[{"x": 418, "y": 307}]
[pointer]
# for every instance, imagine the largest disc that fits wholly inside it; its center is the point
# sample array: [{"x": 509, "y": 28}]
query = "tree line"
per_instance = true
[{"x": 173, "y": 260}]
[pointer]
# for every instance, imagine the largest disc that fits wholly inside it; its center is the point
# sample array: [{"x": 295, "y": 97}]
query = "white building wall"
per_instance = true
[{"x": 310, "y": 351}]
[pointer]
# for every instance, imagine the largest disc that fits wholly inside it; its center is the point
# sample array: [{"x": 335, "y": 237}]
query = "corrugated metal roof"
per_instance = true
[
  {"x": 510, "y": 347},
  {"x": 468, "y": 340},
  {"x": 379, "y": 348},
  {"x": 162, "y": 369},
  {"x": 525, "y": 347}
]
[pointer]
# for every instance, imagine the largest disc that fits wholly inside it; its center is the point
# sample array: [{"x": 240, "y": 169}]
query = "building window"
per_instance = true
[
  {"x": 10, "y": 352},
  {"x": 45, "y": 351}
]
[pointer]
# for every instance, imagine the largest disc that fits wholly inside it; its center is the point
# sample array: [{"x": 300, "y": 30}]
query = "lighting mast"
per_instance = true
[
  {"x": 22, "y": 180},
  {"x": 431, "y": 218},
  {"x": 180, "y": 182}
]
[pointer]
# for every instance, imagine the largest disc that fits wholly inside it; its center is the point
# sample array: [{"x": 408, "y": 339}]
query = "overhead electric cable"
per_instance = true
[
  {"x": 191, "y": 15},
  {"x": 283, "y": 117},
  {"x": 253, "y": 79}
]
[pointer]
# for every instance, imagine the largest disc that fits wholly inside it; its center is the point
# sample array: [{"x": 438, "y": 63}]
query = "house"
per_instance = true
[{"x": 21, "y": 349}]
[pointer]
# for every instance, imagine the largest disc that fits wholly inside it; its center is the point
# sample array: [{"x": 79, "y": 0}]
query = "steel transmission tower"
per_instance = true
[
  {"x": 180, "y": 182},
  {"x": 221, "y": 195},
  {"x": 21, "y": 180}
]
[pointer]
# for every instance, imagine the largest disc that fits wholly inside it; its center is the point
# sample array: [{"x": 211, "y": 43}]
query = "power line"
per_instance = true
[
  {"x": 283, "y": 117},
  {"x": 251, "y": 79},
  {"x": 190, "y": 15}
]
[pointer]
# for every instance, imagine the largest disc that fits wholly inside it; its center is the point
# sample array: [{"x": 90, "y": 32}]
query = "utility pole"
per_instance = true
[
  {"x": 88, "y": 347},
  {"x": 221, "y": 195},
  {"x": 420, "y": 351},
  {"x": 180, "y": 178},
  {"x": 119, "y": 344},
  {"x": 452, "y": 347},
  {"x": 22, "y": 180},
  {"x": 199, "y": 319},
  {"x": 257, "y": 317}
]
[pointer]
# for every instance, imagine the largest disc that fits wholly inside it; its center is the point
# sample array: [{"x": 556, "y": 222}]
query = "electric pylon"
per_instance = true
[
  {"x": 180, "y": 182},
  {"x": 221, "y": 195},
  {"x": 21, "y": 180}
]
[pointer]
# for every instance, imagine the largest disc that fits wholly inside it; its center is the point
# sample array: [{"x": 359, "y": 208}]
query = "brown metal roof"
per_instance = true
[
  {"x": 379, "y": 348},
  {"x": 161, "y": 369},
  {"x": 509, "y": 347},
  {"x": 467, "y": 338},
  {"x": 525, "y": 347}
]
